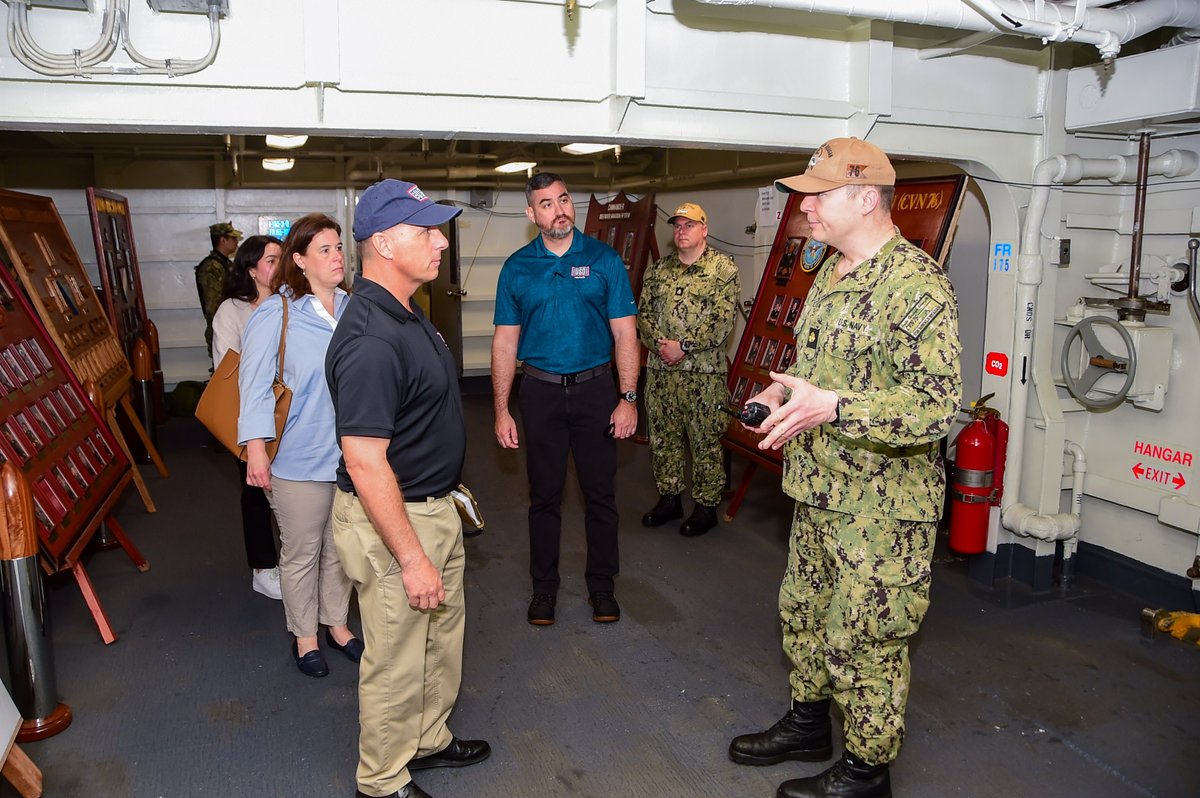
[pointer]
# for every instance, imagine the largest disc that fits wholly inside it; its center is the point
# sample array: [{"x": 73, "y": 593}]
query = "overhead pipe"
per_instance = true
[
  {"x": 703, "y": 178},
  {"x": 1058, "y": 170},
  {"x": 114, "y": 32},
  {"x": 1105, "y": 28}
]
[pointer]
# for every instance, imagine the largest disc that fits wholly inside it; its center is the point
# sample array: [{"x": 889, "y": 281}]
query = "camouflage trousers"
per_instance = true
[
  {"x": 683, "y": 404},
  {"x": 855, "y": 590}
]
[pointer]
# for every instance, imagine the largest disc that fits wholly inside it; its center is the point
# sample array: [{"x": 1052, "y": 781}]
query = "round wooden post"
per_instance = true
[{"x": 30, "y": 660}]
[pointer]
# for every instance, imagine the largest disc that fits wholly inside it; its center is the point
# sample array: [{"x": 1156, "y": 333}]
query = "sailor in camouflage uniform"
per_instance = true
[
  {"x": 685, "y": 318},
  {"x": 212, "y": 271},
  {"x": 874, "y": 388}
]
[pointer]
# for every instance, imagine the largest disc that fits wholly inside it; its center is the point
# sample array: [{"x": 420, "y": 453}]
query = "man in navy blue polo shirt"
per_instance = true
[
  {"x": 399, "y": 415},
  {"x": 563, "y": 305}
]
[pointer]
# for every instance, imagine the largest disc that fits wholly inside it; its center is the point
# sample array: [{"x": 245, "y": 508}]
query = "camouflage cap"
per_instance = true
[
  {"x": 689, "y": 210},
  {"x": 841, "y": 162},
  {"x": 224, "y": 229}
]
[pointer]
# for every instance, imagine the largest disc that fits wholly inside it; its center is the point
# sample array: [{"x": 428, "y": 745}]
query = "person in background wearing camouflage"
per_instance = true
[
  {"x": 212, "y": 271},
  {"x": 874, "y": 389},
  {"x": 685, "y": 318}
]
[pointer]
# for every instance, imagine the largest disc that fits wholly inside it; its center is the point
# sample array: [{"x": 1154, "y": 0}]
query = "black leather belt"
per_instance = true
[
  {"x": 419, "y": 499},
  {"x": 566, "y": 379}
]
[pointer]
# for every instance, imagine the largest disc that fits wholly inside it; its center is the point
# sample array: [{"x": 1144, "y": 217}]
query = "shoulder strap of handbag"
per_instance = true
[{"x": 283, "y": 338}]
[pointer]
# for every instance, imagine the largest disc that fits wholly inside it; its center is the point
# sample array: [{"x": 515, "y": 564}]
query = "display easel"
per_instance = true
[
  {"x": 121, "y": 284},
  {"x": 52, "y": 431},
  {"x": 42, "y": 256},
  {"x": 628, "y": 227},
  {"x": 926, "y": 211}
]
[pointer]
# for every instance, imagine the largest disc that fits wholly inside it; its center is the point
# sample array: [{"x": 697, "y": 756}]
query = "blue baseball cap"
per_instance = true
[{"x": 391, "y": 202}]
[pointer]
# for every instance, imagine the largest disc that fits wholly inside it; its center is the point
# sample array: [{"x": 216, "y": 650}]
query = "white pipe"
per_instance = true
[
  {"x": 114, "y": 31},
  {"x": 1026, "y": 521},
  {"x": 176, "y": 66},
  {"x": 1031, "y": 265},
  {"x": 1030, "y": 268},
  {"x": 1103, "y": 27}
]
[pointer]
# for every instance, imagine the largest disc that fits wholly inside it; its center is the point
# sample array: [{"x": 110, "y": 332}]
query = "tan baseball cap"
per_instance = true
[
  {"x": 689, "y": 210},
  {"x": 841, "y": 162}
]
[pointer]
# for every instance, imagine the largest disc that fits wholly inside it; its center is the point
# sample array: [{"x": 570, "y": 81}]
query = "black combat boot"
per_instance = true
[
  {"x": 669, "y": 508},
  {"x": 804, "y": 734},
  {"x": 850, "y": 777},
  {"x": 702, "y": 519}
]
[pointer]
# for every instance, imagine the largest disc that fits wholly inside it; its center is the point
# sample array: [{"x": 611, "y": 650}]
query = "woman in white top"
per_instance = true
[{"x": 247, "y": 284}]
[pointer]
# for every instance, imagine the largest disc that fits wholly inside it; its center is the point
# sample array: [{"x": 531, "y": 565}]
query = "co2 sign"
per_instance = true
[{"x": 996, "y": 363}]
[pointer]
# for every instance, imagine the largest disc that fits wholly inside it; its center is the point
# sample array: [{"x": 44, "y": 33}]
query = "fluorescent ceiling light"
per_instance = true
[
  {"x": 585, "y": 148},
  {"x": 515, "y": 166},
  {"x": 278, "y": 164},
  {"x": 286, "y": 142}
]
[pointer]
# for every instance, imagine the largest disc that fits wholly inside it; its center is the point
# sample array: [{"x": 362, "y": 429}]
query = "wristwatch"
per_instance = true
[
  {"x": 686, "y": 346},
  {"x": 630, "y": 396}
]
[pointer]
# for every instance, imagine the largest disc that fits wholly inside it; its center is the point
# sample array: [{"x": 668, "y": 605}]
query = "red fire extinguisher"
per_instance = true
[{"x": 978, "y": 477}]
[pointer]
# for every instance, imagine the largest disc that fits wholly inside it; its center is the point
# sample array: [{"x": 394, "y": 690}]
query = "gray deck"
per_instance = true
[{"x": 1013, "y": 695}]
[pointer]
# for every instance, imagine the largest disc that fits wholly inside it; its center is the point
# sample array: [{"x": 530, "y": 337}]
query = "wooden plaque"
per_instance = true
[
  {"x": 42, "y": 256},
  {"x": 116, "y": 260},
  {"x": 926, "y": 211},
  {"x": 51, "y": 432},
  {"x": 628, "y": 227}
]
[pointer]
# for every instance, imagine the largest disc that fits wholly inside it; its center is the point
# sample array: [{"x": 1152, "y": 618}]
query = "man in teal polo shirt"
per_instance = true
[{"x": 563, "y": 306}]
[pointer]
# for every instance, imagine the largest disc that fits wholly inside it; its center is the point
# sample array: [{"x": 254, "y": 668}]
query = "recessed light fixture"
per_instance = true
[
  {"x": 286, "y": 142},
  {"x": 515, "y": 166},
  {"x": 278, "y": 164},
  {"x": 585, "y": 148}
]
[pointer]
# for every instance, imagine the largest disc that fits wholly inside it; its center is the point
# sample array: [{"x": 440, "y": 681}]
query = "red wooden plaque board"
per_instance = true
[
  {"x": 41, "y": 255},
  {"x": 116, "y": 260},
  {"x": 926, "y": 211},
  {"x": 628, "y": 227}
]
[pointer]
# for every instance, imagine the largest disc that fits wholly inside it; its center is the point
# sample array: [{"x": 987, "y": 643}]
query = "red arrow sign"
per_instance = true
[
  {"x": 1179, "y": 481},
  {"x": 1138, "y": 470}
]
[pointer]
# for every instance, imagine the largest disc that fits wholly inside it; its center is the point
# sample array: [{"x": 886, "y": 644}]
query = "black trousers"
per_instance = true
[
  {"x": 573, "y": 419},
  {"x": 256, "y": 525}
]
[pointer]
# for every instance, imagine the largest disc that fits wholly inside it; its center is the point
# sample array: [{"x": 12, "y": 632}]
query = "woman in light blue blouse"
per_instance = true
[{"x": 300, "y": 481}]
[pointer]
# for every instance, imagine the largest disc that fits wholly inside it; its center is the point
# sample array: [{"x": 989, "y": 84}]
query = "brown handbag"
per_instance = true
[{"x": 220, "y": 404}]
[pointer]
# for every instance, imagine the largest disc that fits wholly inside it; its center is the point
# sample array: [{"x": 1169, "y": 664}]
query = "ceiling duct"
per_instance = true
[{"x": 1089, "y": 23}]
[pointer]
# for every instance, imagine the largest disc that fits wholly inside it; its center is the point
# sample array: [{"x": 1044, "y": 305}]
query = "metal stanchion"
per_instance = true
[
  {"x": 160, "y": 403},
  {"x": 30, "y": 660},
  {"x": 143, "y": 386}
]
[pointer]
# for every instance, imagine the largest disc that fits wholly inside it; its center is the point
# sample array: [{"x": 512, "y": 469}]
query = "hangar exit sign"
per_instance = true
[{"x": 1162, "y": 465}]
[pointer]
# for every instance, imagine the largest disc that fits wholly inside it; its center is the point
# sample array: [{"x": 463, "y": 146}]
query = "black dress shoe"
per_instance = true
[
  {"x": 804, "y": 734},
  {"x": 311, "y": 664},
  {"x": 353, "y": 649},
  {"x": 850, "y": 777},
  {"x": 410, "y": 790},
  {"x": 541, "y": 609},
  {"x": 702, "y": 519},
  {"x": 458, "y": 754},
  {"x": 668, "y": 509},
  {"x": 605, "y": 608}
]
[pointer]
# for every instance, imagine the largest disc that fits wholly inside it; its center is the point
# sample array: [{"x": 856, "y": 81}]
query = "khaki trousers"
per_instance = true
[
  {"x": 410, "y": 673},
  {"x": 315, "y": 588}
]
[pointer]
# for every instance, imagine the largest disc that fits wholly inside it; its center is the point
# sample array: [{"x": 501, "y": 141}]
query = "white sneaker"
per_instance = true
[{"x": 266, "y": 582}]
